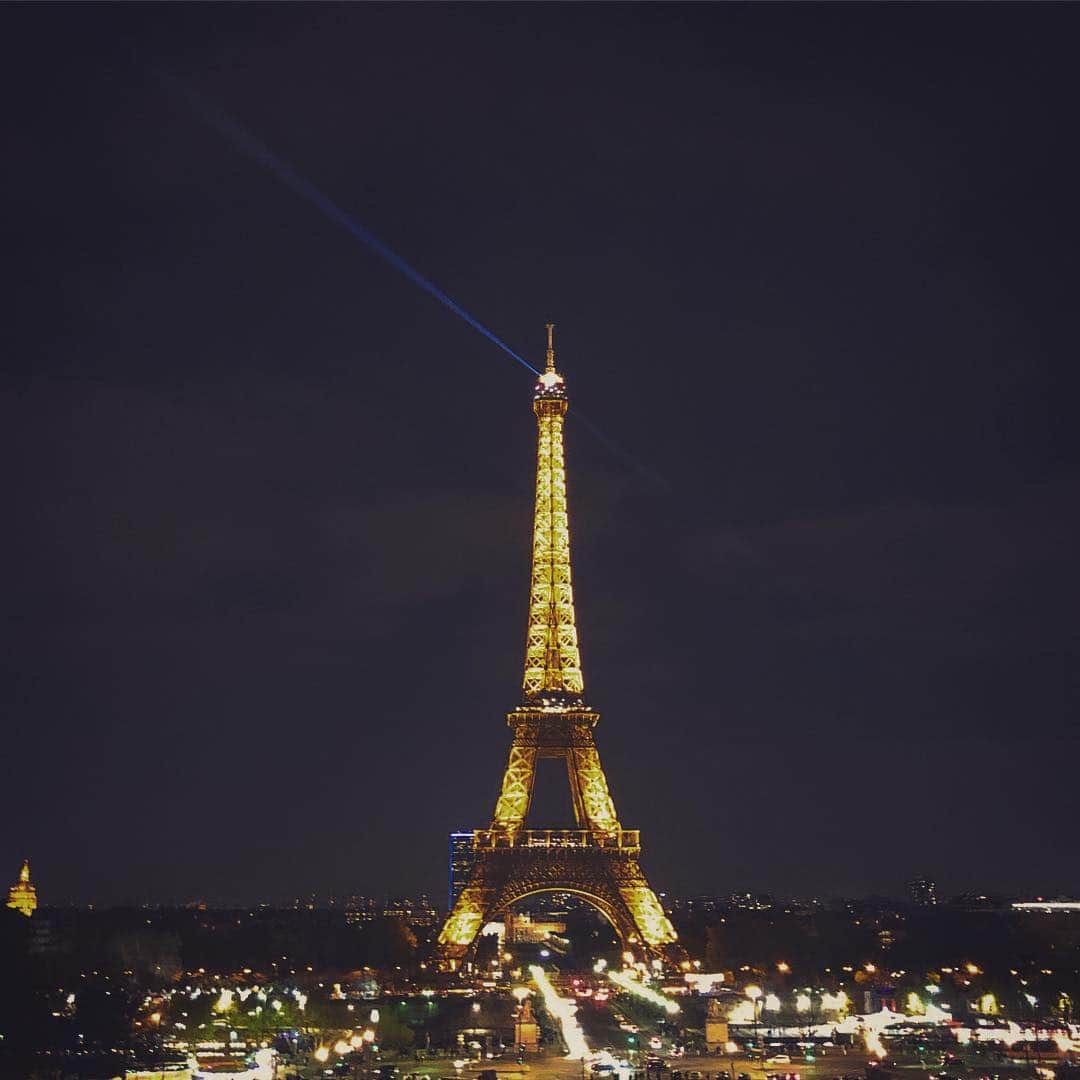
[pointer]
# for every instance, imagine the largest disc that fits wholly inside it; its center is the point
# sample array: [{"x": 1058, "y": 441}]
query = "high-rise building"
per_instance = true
[
  {"x": 462, "y": 857},
  {"x": 923, "y": 892},
  {"x": 22, "y": 896}
]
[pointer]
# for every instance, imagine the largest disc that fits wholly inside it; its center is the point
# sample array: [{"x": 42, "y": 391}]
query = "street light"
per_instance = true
[
  {"x": 754, "y": 994},
  {"x": 804, "y": 1003}
]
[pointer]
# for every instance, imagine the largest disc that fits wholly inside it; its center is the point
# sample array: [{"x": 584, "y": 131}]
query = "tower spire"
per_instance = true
[{"x": 552, "y": 660}]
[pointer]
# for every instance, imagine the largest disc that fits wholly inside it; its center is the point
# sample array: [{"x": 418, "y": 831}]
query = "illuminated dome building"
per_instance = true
[{"x": 22, "y": 896}]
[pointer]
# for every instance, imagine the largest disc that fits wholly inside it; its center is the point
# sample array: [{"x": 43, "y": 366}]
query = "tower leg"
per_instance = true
[
  {"x": 517, "y": 786},
  {"x": 590, "y": 786}
]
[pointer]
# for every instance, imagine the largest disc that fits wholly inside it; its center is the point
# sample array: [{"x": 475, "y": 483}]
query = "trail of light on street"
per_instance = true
[
  {"x": 564, "y": 1011},
  {"x": 631, "y": 985},
  {"x": 874, "y": 1043}
]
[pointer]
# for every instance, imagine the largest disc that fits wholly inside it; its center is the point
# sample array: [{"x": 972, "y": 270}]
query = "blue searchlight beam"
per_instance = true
[
  {"x": 259, "y": 152},
  {"x": 243, "y": 139}
]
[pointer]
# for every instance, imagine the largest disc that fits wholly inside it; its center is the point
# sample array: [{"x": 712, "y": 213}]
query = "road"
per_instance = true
[{"x": 555, "y": 1067}]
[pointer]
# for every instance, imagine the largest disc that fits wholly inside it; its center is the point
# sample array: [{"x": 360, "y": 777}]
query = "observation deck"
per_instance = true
[{"x": 623, "y": 840}]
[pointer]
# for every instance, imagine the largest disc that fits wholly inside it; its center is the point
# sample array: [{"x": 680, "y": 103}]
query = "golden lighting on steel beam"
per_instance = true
[{"x": 598, "y": 861}]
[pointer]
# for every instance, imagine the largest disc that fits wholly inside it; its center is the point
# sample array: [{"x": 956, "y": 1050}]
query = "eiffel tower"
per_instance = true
[{"x": 599, "y": 860}]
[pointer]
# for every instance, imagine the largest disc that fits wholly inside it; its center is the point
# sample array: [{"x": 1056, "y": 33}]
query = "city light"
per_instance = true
[
  {"x": 873, "y": 1043},
  {"x": 264, "y": 1061},
  {"x": 564, "y": 1011},
  {"x": 1047, "y": 905},
  {"x": 802, "y": 1003},
  {"x": 632, "y": 986},
  {"x": 742, "y": 1013}
]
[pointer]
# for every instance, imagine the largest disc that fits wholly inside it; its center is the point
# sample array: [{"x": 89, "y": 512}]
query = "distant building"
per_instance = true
[
  {"x": 44, "y": 939},
  {"x": 923, "y": 892},
  {"x": 752, "y": 901},
  {"x": 361, "y": 909},
  {"x": 22, "y": 896},
  {"x": 522, "y": 928},
  {"x": 416, "y": 912},
  {"x": 462, "y": 857}
]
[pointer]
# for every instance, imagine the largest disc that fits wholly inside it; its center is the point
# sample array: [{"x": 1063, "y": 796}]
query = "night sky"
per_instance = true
[{"x": 814, "y": 274}]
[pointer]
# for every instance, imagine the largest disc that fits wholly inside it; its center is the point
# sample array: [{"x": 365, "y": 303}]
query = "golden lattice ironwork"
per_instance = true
[
  {"x": 552, "y": 659},
  {"x": 621, "y": 839},
  {"x": 599, "y": 859}
]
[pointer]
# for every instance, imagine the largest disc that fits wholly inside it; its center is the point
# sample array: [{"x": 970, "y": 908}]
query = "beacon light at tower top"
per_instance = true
[{"x": 632, "y": 986}]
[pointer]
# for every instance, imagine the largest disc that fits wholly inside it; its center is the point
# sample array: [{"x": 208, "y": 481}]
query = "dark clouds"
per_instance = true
[{"x": 268, "y": 503}]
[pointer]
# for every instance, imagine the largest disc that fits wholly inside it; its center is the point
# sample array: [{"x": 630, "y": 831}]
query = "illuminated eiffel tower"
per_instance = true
[{"x": 599, "y": 860}]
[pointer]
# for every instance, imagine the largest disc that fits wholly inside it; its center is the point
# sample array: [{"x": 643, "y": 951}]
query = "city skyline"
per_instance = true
[
  {"x": 899, "y": 893},
  {"x": 812, "y": 272}
]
